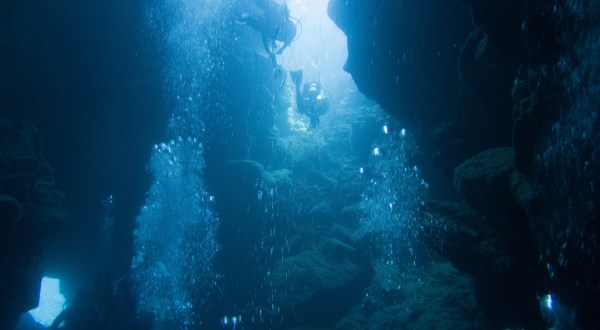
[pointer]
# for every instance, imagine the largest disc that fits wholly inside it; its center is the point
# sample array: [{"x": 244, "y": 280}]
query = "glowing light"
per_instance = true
[
  {"x": 403, "y": 132},
  {"x": 361, "y": 170},
  {"x": 51, "y": 302},
  {"x": 385, "y": 129},
  {"x": 547, "y": 299},
  {"x": 234, "y": 321},
  {"x": 376, "y": 151},
  {"x": 315, "y": 29}
]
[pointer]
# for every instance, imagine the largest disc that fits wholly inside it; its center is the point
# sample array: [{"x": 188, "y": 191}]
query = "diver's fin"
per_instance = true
[{"x": 296, "y": 76}]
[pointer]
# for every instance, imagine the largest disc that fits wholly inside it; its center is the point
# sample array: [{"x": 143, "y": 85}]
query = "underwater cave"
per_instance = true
[{"x": 300, "y": 164}]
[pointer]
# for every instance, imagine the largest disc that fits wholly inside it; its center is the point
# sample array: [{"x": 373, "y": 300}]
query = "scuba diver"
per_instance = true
[
  {"x": 312, "y": 101},
  {"x": 89, "y": 310},
  {"x": 275, "y": 26},
  {"x": 81, "y": 313}
]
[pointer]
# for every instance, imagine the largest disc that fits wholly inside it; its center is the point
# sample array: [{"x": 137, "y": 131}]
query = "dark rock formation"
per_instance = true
[
  {"x": 491, "y": 55},
  {"x": 316, "y": 278},
  {"x": 461, "y": 234},
  {"x": 401, "y": 53},
  {"x": 434, "y": 50},
  {"x": 483, "y": 180},
  {"x": 441, "y": 299},
  {"x": 555, "y": 136},
  {"x": 322, "y": 212},
  {"x": 501, "y": 23},
  {"x": 86, "y": 75},
  {"x": 563, "y": 149},
  {"x": 500, "y": 264},
  {"x": 30, "y": 208}
]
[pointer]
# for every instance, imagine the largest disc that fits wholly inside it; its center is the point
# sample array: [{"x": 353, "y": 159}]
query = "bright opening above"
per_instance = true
[{"x": 320, "y": 47}]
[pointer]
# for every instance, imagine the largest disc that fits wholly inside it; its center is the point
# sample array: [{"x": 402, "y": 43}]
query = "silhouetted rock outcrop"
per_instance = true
[
  {"x": 441, "y": 298},
  {"x": 401, "y": 53},
  {"x": 498, "y": 259},
  {"x": 483, "y": 180},
  {"x": 457, "y": 93},
  {"x": 30, "y": 207},
  {"x": 313, "y": 279}
]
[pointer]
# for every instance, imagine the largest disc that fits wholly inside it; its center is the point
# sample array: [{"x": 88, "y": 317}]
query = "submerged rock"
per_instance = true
[
  {"x": 31, "y": 207},
  {"x": 483, "y": 180},
  {"x": 351, "y": 214},
  {"x": 454, "y": 231},
  {"x": 319, "y": 287},
  {"x": 499, "y": 262},
  {"x": 322, "y": 213},
  {"x": 438, "y": 297},
  {"x": 397, "y": 67}
]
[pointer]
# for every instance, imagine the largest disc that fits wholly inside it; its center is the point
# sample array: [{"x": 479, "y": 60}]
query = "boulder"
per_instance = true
[
  {"x": 500, "y": 263},
  {"x": 339, "y": 249},
  {"x": 439, "y": 297},
  {"x": 454, "y": 231},
  {"x": 319, "y": 287},
  {"x": 351, "y": 214},
  {"x": 322, "y": 213},
  {"x": 484, "y": 180}
]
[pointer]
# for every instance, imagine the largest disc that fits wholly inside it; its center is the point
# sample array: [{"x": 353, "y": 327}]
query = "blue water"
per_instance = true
[
  {"x": 175, "y": 241},
  {"x": 176, "y": 232},
  {"x": 209, "y": 202}
]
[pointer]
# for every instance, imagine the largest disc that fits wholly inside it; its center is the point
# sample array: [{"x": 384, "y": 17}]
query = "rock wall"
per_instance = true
[
  {"x": 75, "y": 72},
  {"x": 480, "y": 83},
  {"x": 30, "y": 207},
  {"x": 399, "y": 58}
]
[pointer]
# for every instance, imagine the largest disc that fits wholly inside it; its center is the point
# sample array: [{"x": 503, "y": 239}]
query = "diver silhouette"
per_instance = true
[
  {"x": 275, "y": 26},
  {"x": 312, "y": 101},
  {"x": 89, "y": 310}
]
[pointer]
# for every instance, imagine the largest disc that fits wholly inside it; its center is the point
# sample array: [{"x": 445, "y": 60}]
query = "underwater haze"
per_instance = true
[{"x": 299, "y": 164}]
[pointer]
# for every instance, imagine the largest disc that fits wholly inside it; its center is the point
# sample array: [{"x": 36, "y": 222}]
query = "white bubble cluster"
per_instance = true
[
  {"x": 392, "y": 197},
  {"x": 175, "y": 238},
  {"x": 175, "y": 241},
  {"x": 231, "y": 322}
]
